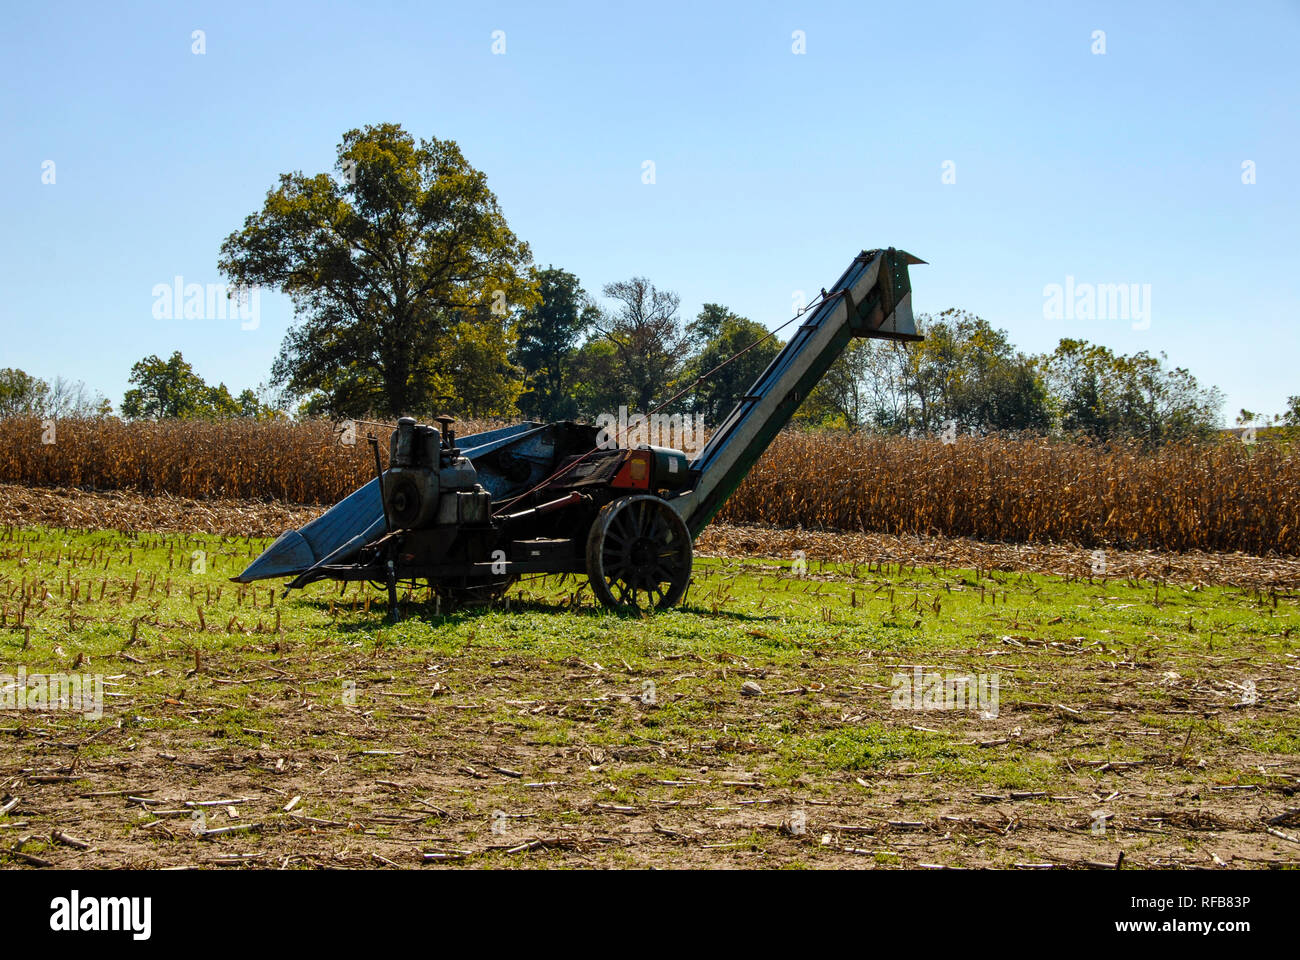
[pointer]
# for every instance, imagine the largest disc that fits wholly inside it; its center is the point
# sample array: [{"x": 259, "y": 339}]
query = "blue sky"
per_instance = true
[{"x": 772, "y": 169}]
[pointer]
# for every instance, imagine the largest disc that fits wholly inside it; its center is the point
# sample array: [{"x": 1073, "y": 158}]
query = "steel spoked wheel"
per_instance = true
[{"x": 639, "y": 554}]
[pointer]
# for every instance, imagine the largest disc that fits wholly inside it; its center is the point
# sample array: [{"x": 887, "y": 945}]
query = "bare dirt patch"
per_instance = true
[{"x": 466, "y": 769}]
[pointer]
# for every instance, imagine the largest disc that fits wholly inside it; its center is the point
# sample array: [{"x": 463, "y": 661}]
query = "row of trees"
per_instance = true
[
  {"x": 965, "y": 375},
  {"x": 572, "y": 358},
  {"x": 22, "y": 394},
  {"x": 580, "y": 359},
  {"x": 170, "y": 389},
  {"x": 968, "y": 376},
  {"x": 413, "y": 296},
  {"x": 162, "y": 390}
]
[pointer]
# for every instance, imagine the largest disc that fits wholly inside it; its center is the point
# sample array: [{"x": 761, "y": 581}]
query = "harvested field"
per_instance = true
[{"x": 1118, "y": 722}]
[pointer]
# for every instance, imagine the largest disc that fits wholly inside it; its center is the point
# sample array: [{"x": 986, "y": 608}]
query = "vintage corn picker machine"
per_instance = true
[{"x": 469, "y": 515}]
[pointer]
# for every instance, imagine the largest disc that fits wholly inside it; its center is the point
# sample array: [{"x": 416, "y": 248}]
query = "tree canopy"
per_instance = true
[
  {"x": 170, "y": 389},
  {"x": 549, "y": 335},
  {"x": 646, "y": 333},
  {"x": 732, "y": 334},
  {"x": 1105, "y": 395},
  {"x": 22, "y": 394},
  {"x": 404, "y": 275}
]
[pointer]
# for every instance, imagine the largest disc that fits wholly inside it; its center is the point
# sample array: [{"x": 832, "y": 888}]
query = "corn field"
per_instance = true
[
  {"x": 1221, "y": 496},
  {"x": 236, "y": 459},
  {"x": 1224, "y": 496}
]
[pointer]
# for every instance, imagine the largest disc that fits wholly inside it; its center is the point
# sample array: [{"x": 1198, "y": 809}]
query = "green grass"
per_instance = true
[
  {"x": 566, "y": 686},
  {"x": 752, "y": 613}
]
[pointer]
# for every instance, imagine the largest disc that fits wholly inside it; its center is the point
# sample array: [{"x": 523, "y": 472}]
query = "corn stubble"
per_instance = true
[{"x": 1222, "y": 496}]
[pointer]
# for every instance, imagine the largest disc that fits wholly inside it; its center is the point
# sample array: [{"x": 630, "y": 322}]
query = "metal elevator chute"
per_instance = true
[{"x": 873, "y": 298}]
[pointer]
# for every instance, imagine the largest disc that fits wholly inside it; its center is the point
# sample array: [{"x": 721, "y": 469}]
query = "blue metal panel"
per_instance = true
[{"x": 353, "y": 522}]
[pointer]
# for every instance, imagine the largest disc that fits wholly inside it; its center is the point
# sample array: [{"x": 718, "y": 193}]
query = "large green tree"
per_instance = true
[
  {"x": 21, "y": 393},
  {"x": 716, "y": 395},
  {"x": 1106, "y": 395},
  {"x": 167, "y": 389},
  {"x": 391, "y": 266},
  {"x": 549, "y": 334},
  {"x": 644, "y": 328},
  {"x": 968, "y": 373},
  {"x": 595, "y": 379},
  {"x": 708, "y": 323}
]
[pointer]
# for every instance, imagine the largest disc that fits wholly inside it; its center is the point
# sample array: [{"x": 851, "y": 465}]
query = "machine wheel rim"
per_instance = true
[{"x": 639, "y": 554}]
